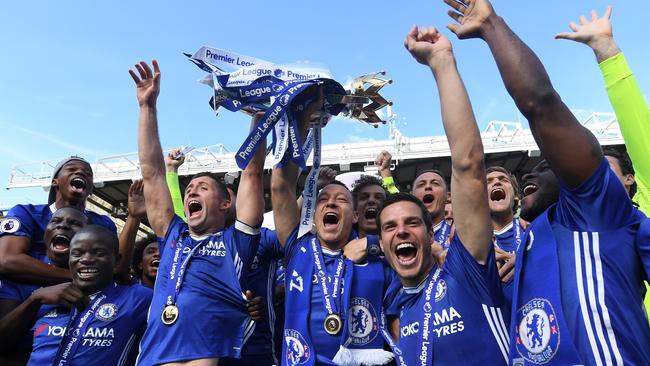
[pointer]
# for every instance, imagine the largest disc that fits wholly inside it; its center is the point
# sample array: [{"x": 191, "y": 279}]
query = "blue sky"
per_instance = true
[{"x": 65, "y": 87}]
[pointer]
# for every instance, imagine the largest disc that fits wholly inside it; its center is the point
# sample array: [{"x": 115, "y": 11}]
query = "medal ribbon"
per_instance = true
[
  {"x": 330, "y": 290},
  {"x": 444, "y": 234},
  {"x": 178, "y": 272},
  {"x": 397, "y": 352},
  {"x": 77, "y": 327},
  {"x": 425, "y": 344}
]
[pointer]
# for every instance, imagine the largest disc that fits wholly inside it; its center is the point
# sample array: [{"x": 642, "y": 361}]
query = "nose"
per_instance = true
[
  {"x": 402, "y": 232},
  {"x": 87, "y": 258},
  {"x": 63, "y": 225}
]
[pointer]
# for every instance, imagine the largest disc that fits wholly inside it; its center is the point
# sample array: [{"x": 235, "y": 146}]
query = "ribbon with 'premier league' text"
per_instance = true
[
  {"x": 310, "y": 191},
  {"x": 183, "y": 254},
  {"x": 330, "y": 289},
  {"x": 77, "y": 327},
  {"x": 443, "y": 236},
  {"x": 425, "y": 342},
  {"x": 397, "y": 352}
]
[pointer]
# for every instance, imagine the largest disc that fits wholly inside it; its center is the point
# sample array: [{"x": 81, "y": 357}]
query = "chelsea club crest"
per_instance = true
[
  {"x": 106, "y": 312},
  {"x": 537, "y": 333},
  {"x": 441, "y": 290},
  {"x": 297, "y": 349},
  {"x": 362, "y": 321}
]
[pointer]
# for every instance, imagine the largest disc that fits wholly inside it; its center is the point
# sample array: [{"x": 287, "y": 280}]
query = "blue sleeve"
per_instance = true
[
  {"x": 391, "y": 297},
  {"x": 246, "y": 240},
  {"x": 643, "y": 246},
  {"x": 9, "y": 290},
  {"x": 269, "y": 242},
  {"x": 599, "y": 204},
  {"x": 481, "y": 280},
  {"x": 293, "y": 243},
  {"x": 174, "y": 230},
  {"x": 19, "y": 221},
  {"x": 103, "y": 220}
]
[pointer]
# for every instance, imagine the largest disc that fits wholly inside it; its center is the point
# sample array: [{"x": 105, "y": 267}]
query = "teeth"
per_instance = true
[
  {"x": 155, "y": 263},
  {"x": 194, "y": 202},
  {"x": 529, "y": 188},
  {"x": 405, "y": 246},
  {"x": 88, "y": 270}
]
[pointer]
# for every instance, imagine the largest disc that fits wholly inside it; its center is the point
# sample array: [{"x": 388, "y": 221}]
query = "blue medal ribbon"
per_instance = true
[
  {"x": 397, "y": 352},
  {"x": 517, "y": 227},
  {"x": 444, "y": 234},
  {"x": 426, "y": 342},
  {"x": 330, "y": 290},
  {"x": 78, "y": 325},
  {"x": 177, "y": 272}
]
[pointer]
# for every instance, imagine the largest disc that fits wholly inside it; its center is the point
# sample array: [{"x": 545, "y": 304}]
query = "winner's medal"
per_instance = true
[
  {"x": 169, "y": 314},
  {"x": 332, "y": 324}
]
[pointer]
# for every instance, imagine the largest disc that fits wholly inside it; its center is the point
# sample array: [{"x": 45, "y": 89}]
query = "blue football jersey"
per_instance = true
[
  {"x": 466, "y": 324},
  {"x": 31, "y": 220},
  {"x": 261, "y": 281},
  {"x": 325, "y": 346},
  {"x": 603, "y": 260},
  {"x": 508, "y": 240},
  {"x": 213, "y": 321},
  {"x": 112, "y": 334}
]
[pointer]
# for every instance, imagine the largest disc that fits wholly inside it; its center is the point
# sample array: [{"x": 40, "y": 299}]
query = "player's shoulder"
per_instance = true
[
  {"x": 136, "y": 292},
  {"x": 103, "y": 220}
]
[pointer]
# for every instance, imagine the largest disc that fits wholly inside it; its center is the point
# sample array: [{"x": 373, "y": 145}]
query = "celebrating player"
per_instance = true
[
  {"x": 22, "y": 252},
  {"x": 583, "y": 259},
  {"x": 91, "y": 320},
  {"x": 198, "y": 313},
  {"x": 323, "y": 323},
  {"x": 448, "y": 312}
]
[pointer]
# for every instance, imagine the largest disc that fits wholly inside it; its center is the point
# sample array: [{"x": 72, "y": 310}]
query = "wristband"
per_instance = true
[
  {"x": 389, "y": 184},
  {"x": 373, "y": 249}
]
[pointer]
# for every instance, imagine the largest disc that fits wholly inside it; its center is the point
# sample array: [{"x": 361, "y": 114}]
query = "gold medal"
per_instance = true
[
  {"x": 169, "y": 314},
  {"x": 332, "y": 324}
]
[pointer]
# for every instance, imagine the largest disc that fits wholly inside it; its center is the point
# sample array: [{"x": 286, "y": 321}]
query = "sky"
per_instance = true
[{"x": 65, "y": 89}]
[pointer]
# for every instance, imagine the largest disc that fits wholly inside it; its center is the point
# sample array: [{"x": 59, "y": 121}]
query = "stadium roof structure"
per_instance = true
[{"x": 506, "y": 144}]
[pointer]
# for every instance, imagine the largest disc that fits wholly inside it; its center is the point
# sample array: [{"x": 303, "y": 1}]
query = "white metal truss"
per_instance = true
[{"x": 498, "y": 136}]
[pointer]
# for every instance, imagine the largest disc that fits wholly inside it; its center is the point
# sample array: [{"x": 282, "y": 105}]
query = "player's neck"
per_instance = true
[
  {"x": 416, "y": 281},
  {"x": 333, "y": 245},
  {"x": 62, "y": 202},
  {"x": 437, "y": 218},
  {"x": 501, "y": 219}
]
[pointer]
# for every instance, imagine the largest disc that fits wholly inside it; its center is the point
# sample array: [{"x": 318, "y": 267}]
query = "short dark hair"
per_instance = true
[
  {"x": 624, "y": 162},
  {"x": 363, "y": 182},
  {"x": 106, "y": 234},
  {"x": 221, "y": 186},
  {"x": 138, "y": 252},
  {"x": 400, "y": 197},
  {"x": 435, "y": 171},
  {"x": 338, "y": 183},
  {"x": 513, "y": 182}
]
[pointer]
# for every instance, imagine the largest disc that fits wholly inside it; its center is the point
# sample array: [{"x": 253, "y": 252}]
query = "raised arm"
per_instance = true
[
  {"x": 383, "y": 161},
  {"x": 160, "y": 209},
  {"x": 136, "y": 212},
  {"x": 626, "y": 97},
  {"x": 173, "y": 160},
  {"x": 286, "y": 212},
  {"x": 571, "y": 150},
  {"x": 468, "y": 185},
  {"x": 16, "y": 264},
  {"x": 250, "y": 195}
]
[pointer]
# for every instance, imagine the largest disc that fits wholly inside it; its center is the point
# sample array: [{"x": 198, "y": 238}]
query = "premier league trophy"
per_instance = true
[{"x": 251, "y": 85}]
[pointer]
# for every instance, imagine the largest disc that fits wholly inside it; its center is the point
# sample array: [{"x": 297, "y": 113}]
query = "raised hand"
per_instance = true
[
  {"x": 470, "y": 16},
  {"x": 426, "y": 45},
  {"x": 65, "y": 294},
  {"x": 136, "y": 205},
  {"x": 590, "y": 31},
  {"x": 325, "y": 176},
  {"x": 505, "y": 264},
  {"x": 383, "y": 160},
  {"x": 147, "y": 84},
  {"x": 173, "y": 160},
  {"x": 596, "y": 34}
]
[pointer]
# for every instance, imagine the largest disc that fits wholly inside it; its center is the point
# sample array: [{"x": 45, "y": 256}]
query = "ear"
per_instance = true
[
  {"x": 225, "y": 204},
  {"x": 628, "y": 180},
  {"x": 55, "y": 183},
  {"x": 355, "y": 217},
  {"x": 118, "y": 259}
]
